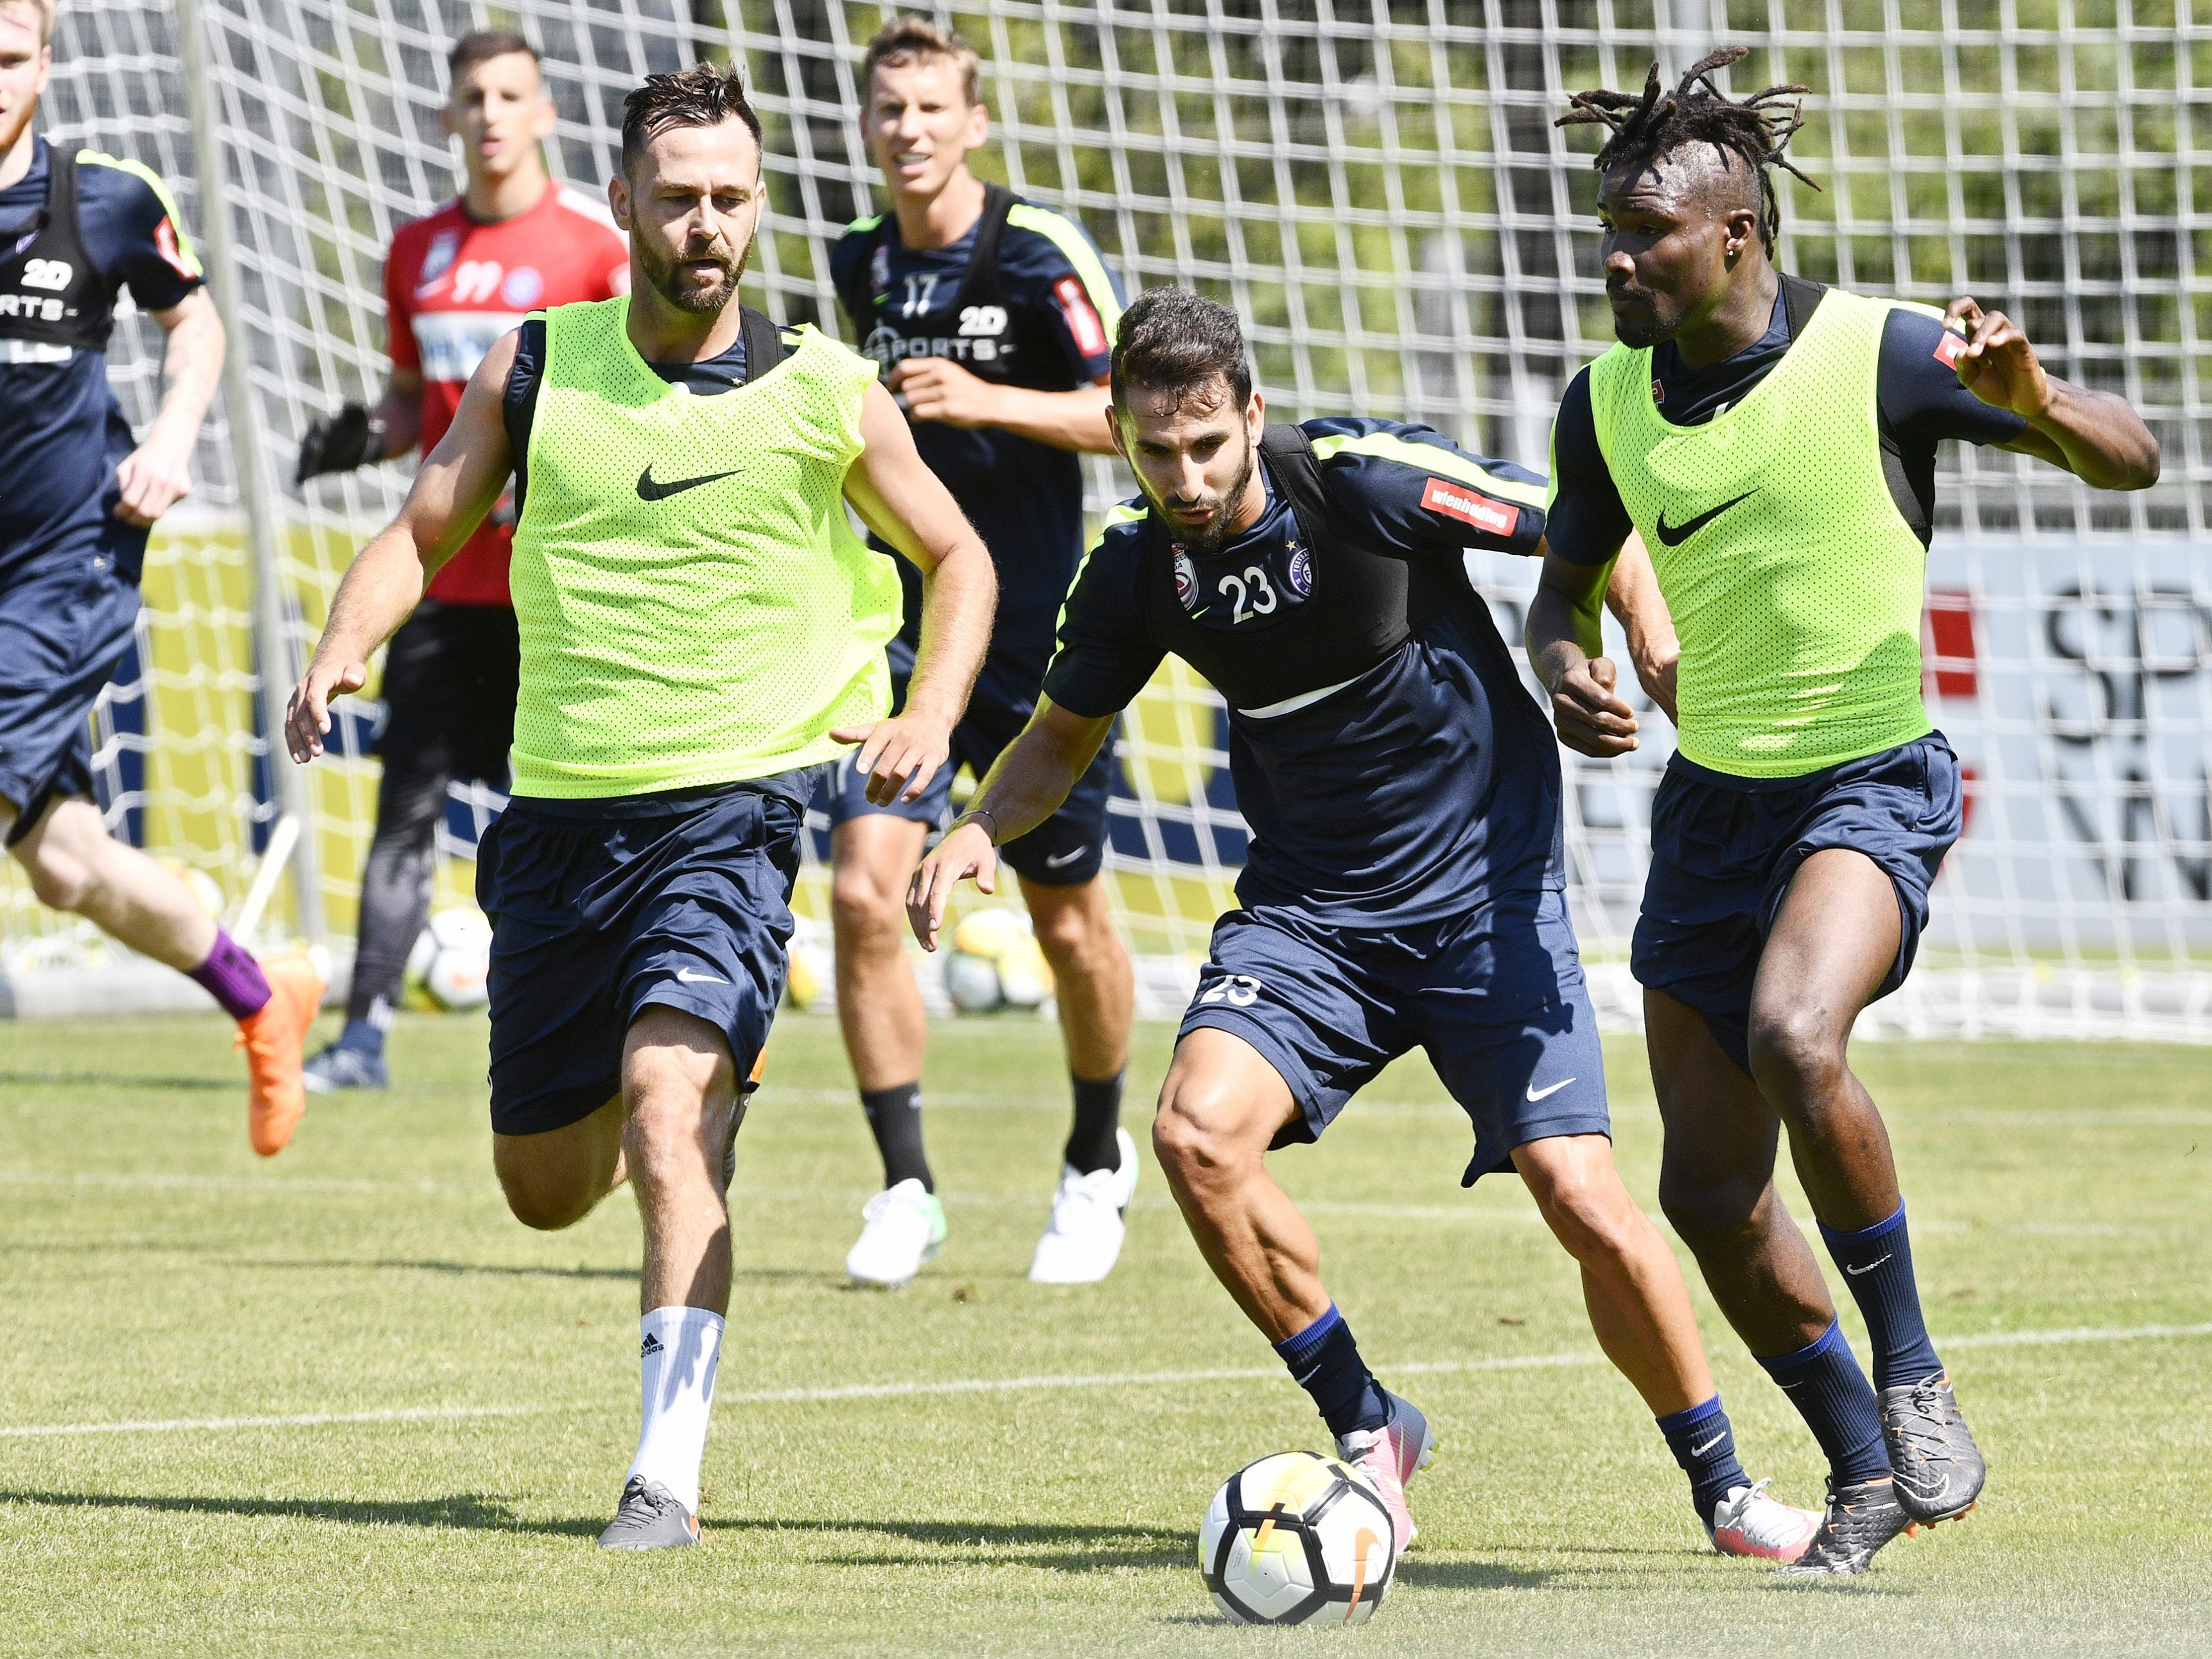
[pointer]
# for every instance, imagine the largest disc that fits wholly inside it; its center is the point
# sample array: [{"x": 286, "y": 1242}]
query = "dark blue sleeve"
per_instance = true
[
  {"x": 848, "y": 276},
  {"x": 130, "y": 227},
  {"x": 1048, "y": 261},
  {"x": 1919, "y": 391},
  {"x": 1588, "y": 519},
  {"x": 1420, "y": 493},
  {"x": 1104, "y": 659}
]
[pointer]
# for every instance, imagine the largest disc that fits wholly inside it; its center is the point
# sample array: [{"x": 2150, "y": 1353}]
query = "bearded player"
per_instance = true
[
  {"x": 701, "y": 632},
  {"x": 1405, "y": 883},
  {"x": 78, "y": 497},
  {"x": 992, "y": 319},
  {"x": 1774, "y": 441},
  {"x": 454, "y": 282}
]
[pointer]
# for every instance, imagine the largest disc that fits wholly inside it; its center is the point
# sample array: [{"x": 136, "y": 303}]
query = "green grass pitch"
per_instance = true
[{"x": 479, "y": 1381}]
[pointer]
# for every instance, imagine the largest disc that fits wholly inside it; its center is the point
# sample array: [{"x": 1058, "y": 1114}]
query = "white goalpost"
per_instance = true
[{"x": 1378, "y": 186}]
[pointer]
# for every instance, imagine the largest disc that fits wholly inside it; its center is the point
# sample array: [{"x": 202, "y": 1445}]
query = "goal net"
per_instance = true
[{"x": 1378, "y": 186}]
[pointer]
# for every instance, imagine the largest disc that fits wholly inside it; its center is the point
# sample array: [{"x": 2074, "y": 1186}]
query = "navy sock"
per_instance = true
[
  {"x": 1877, "y": 1264},
  {"x": 1092, "y": 1140},
  {"x": 895, "y": 1120},
  {"x": 1834, "y": 1397},
  {"x": 363, "y": 1037},
  {"x": 1705, "y": 1445},
  {"x": 1326, "y": 1363}
]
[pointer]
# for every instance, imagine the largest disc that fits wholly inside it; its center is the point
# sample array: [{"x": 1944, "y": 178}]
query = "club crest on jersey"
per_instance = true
[
  {"x": 443, "y": 246},
  {"x": 1300, "y": 573},
  {"x": 1186, "y": 580},
  {"x": 523, "y": 288}
]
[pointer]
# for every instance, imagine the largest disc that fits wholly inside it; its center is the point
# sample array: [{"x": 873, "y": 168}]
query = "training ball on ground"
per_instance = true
[
  {"x": 451, "y": 959},
  {"x": 995, "y": 962},
  {"x": 1298, "y": 1539}
]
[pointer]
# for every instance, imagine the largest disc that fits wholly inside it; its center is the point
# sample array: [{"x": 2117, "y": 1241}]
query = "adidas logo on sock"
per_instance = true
[{"x": 649, "y": 1347}]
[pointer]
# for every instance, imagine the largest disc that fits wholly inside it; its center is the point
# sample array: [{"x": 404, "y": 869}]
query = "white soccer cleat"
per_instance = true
[
  {"x": 1391, "y": 1456},
  {"x": 1083, "y": 1240},
  {"x": 905, "y": 1225},
  {"x": 1752, "y": 1522}
]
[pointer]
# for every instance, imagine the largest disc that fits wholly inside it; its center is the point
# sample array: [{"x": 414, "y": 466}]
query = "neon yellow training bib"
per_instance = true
[
  {"x": 1796, "y": 583},
  {"x": 694, "y": 605}
]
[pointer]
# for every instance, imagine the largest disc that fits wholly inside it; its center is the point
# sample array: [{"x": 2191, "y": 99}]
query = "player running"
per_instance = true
[
  {"x": 78, "y": 494},
  {"x": 1405, "y": 883},
  {"x": 1774, "y": 442},
  {"x": 992, "y": 319},
  {"x": 702, "y": 631},
  {"x": 453, "y": 282}
]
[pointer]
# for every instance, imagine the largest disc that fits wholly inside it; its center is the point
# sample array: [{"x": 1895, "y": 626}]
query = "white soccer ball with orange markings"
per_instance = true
[{"x": 1297, "y": 1538}]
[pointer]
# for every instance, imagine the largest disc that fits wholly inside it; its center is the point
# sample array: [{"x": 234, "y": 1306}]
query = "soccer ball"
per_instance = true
[
  {"x": 451, "y": 959},
  {"x": 995, "y": 964},
  {"x": 1298, "y": 1539},
  {"x": 811, "y": 967}
]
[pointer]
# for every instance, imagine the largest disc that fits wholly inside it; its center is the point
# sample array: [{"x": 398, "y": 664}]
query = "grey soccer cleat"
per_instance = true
[
  {"x": 651, "y": 1517},
  {"x": 1861, "y": 1517},
  {"x": 339, "y": 1067},
  {"x": 1940, "y": 1469}
]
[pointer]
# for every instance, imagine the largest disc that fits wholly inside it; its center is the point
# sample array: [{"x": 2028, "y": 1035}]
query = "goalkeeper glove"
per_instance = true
[{"x": 338, "y": 443}]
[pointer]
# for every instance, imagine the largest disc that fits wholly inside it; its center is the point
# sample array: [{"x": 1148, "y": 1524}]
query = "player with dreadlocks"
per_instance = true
[{"x": 1774, "y": 442}]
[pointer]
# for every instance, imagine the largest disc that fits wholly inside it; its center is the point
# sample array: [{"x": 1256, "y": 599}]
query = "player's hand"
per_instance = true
[
  {"x": 899, "y": 755},
  {"x": 965, "y": 854},
  {"x": 153, "y": 480},
  {"x": 1656, "y": 672},
  {"x": 937, "y": 389},
  {"x": 1590, "y": 714},
  {"x": 309, "y": 717},
  {"x": 338, "y": 443},
  {"x": 1997, "y": 364}
]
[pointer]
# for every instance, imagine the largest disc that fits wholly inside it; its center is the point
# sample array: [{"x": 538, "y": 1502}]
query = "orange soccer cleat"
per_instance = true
[{"x": 274, "y": 1040}]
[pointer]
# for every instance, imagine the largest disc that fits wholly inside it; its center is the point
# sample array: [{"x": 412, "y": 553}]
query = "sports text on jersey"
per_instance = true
[{"x": 1455, "y": 501}]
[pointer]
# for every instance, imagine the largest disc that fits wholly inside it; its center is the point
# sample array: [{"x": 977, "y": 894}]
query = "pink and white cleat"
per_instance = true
[
  {"x": 1391, "y": 1456},
  {"x": 1750, "y": 1522}
]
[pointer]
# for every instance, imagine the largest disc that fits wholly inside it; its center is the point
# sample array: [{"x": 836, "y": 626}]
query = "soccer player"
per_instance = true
[
  {"x": 1774, "y": 442},
  {"x": 1405, "y": 883},
  {"x": 78, "y": 494},
  {"x": 992, "y": 319},
  {"x": 701, "y": 630},
  {"x": 454, "y": 282}
]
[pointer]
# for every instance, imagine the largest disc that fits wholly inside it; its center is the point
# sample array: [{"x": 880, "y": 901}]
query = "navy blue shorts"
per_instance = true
[
  {"x": 1495, "y": 996},
  {"x": 1067, "y": 850},
  {"x": 600, "y": 909},
  {"x": 64, "y": 625},
  {"x": 1725, "y": 850}
]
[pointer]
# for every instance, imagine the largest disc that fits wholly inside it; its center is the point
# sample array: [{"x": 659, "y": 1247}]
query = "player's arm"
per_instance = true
[
  {"x": 899, "y": 498},
  {"x": 2095, "y": 435},
  {"x": 460, "y": 481},
  {"x": 158, "y": 474},
  {"x": 1024, "y": 786},
  {"x": 938, "y": 389}
]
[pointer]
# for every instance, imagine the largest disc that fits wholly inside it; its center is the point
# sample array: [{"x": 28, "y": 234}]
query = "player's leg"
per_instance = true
[
  {"x": 1279, "y": 1036},
  {"x": 1837, "y": 942},
  {"x": 880, "y": 1010}
]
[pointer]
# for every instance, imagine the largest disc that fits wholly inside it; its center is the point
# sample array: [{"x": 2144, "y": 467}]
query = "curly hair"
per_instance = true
[{"x": 1643, "y": 128}]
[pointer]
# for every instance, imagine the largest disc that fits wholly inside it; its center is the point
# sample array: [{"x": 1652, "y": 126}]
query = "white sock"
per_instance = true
[{"x": 679, "y": 1349}]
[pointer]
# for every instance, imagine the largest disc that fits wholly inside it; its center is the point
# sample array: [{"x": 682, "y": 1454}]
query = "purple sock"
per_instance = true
[{"x": 232, "y": 977}]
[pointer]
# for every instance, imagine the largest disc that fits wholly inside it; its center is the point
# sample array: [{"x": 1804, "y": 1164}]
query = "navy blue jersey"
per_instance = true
[
  {"x": 62, "y": 432},
  {"x": 1421, "y": 788},
  {"x": 1044, "y": 320},
  {"x": 1921, "y": 403}
]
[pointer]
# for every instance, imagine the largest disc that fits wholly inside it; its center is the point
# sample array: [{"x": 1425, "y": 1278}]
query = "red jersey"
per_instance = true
[{"x": 452, "y": 287}]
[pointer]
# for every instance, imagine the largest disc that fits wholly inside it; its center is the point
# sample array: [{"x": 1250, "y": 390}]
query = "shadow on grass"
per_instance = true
[
  {"x": 457, "y": 1268},
  {"x": 114, "y": 1080},
  {"x": 459, "y": 1511},
  {"x": 1064, "y": 1547}
]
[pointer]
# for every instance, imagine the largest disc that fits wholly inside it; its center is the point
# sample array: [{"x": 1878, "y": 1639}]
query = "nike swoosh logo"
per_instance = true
[
  {"x": 647, "y": 490},
  {"x": 1535, "y": 1093},
  {"x": 1869, "y": 1267},
  {"x": 1064, "y": 859},
  {"x": 690, "y": 978},
  {"x": 1700, "y": 1451},
  {"x": 1676, "y": 534}
]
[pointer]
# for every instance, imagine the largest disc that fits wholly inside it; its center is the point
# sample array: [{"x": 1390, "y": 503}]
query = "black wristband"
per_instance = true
[{"x": 970, "y": 815}]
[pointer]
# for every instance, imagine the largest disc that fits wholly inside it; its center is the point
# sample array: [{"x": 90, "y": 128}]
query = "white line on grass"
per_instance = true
[{"x": 1028, "y": 1385}]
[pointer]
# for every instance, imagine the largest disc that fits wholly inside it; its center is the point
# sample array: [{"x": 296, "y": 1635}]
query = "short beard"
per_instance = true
[
  {"x": 701, "y": 302},
  {"x": 1209, "y": 541},
  {"x": 1650, "y": 329}
]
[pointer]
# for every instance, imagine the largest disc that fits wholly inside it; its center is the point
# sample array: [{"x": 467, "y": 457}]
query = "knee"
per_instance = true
[
  {"x": 863, "y": 906},
  {"x": 544, "y": 1201},
  {"x": 1190, "y": 1137},
  {"x": 1586, "y": 1207},
  {"x": 1077, "y": 940},
  {"x": 59, "y": 879},
  {"x": 1796, "y": 1051},
  {"x": 1706, "y": 1214}
]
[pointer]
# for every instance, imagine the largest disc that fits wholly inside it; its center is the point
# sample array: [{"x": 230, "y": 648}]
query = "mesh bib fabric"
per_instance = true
[
  {"x": 694, "y": 605},
  {"x": 1794, "y": 583}
]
